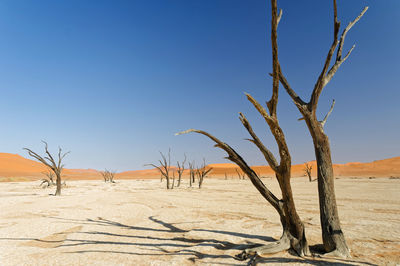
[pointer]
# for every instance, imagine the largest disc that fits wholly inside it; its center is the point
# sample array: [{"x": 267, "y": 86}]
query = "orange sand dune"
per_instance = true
[
  {"x": 381, "y": 168},
  {"x": 14, "y": 167}
]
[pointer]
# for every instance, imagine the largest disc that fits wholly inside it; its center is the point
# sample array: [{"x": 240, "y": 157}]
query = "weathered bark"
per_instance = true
[
  {"x": 181, "y": 168},
  {"x": 293, "y": 235},
  {"x": 332, "y": 235},
  {"x": 164, "y": 167},
  {"x": 49, "y": 162},
  {"x": 58, "y": 183}
]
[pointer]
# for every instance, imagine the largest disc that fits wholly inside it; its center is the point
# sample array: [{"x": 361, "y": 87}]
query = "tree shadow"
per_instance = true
[
  {"x": 310, "y": 261},
  {"x": 176, "y": 238}
]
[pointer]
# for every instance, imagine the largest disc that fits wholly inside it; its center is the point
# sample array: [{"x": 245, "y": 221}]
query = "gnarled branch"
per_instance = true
[
  {"x": 269, "y": 157},
  {"x": 236, "y": 158},
  {"x": 328, "y": 114}
]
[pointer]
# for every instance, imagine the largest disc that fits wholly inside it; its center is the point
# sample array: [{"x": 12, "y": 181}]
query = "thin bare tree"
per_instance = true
[
  {"x": 164, "y": 167},
  {"x": 104, "y": 174},
  {"x": 332, "y": 234},
  {"x": 307, "y": 171},
  {"x": 173, "y": 179},
  {"x": 241, "y": 174},
  {"x": 202, "y": 173},
  {"x": 49, "y": 180},
  {"x": 108, "y": 175},
  {"x": 49, "y": 161},
  {"x": 293, "y": 235},
  {"x": 181, "y": 168},
  {"x": 192, "y": 173}
]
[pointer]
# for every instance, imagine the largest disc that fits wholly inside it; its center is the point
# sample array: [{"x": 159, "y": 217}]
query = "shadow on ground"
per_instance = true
[{"x": 178, "y": 239}]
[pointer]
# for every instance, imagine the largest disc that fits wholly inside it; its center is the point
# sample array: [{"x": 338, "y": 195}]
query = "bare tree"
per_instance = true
[
  {"x": 241, "y": 174},
  {"x": 164, "y": 167},
  {"x": 104, "y": 174},
  {"x": 51, "y": 163},
  {"x": 181, "y": 168},
  {"x": 332, "y": 235},
  {"x": 293, "y": 235},
  {"x": 49, "y": 181},
  {"x": 202, "y": 173},
  {"x": 307, "y": 171},
  {"x": 192, "y": 173},
  {"x": 108, "y": 175}
]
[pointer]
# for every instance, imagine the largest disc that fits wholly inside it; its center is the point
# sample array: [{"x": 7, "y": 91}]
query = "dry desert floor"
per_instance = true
[{"x": 139, "y": 222}]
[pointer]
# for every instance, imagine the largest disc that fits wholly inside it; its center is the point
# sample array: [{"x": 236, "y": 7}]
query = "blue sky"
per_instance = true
[{"x": 112, "y": 81}]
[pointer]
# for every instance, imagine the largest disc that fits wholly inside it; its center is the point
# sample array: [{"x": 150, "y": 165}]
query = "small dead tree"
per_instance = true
[
  {"x": 164, "y": 167},
  {"x": 240, "y": 174},
  {"x": 49, "y": 181},
  {"x": 55, "y": 166},
  {"x": 104, "y": 174},
  {"x": 181, "y": 168},
  {"x": 332, "y": 234},
  {"x": 293, "y": 235},
  {"x": 307, "y": 171},
  {"x": 108, "y": 175},
  {"x": 202, "y": 173},
  {"x": 173, "y": 179},
  {"x": 192, "y": 173}
]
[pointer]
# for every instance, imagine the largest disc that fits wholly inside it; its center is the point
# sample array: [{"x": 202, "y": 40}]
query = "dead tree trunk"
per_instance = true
[
  {"x": 332, "y": 235},
  {"x": 192, "y": 173},
  {"x": 49, "y": 162},
  {"x": 307, "y": 171},
  {"x": 293, "y": 235},
  {"x": 240, "y": 175},
  {"x": 181, "y": 168},
  {"x": 164, "y": 167},
  {"x": 202, "y": 173}
]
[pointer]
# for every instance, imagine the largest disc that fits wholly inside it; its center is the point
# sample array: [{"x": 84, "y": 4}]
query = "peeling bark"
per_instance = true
[
  {"x": 332, "y": 235},
  {"x": 293, "y": 235}
]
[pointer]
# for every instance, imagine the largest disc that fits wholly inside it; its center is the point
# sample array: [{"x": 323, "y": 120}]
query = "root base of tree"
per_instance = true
[{"x": 336, "y": 254}]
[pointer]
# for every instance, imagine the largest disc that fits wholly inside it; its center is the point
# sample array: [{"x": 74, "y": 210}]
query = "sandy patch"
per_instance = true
[{"x": 137, "y": 222}]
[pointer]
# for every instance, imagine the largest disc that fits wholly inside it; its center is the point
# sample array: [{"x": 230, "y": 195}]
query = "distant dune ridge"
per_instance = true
[{"x": 14, "y": 167}]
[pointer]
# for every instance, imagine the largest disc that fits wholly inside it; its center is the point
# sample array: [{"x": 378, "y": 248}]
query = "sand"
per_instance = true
[
  {"x": 139, "y": 222},
  {"x": 14, "y": 167}
]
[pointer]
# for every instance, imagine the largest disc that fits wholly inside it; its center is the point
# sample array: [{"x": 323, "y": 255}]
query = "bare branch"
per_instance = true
[
  {"x": 279, "y": 17},
  {"x": 326, "y": 76},
  {"x": 273, "y": 102},
  {"x": 321, "y": 82},
  {"x": 269, "y": 157},
  {"x": 259, "y": 108},
  {"x": 296, "y": 99},
  {"x": 164, "y": 167},
  {"x": 339, "y": 61},
  {"x": 49, "y": 162},
  {"x": 343, "y": 36},
  {"x": 275, "y": 130},
  {"x": 328, "y": 114},
  {"x": 236, "y": 158}
]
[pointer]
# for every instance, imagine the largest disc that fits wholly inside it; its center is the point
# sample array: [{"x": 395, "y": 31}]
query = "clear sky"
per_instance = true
[{"x": 112, "y": 81}]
